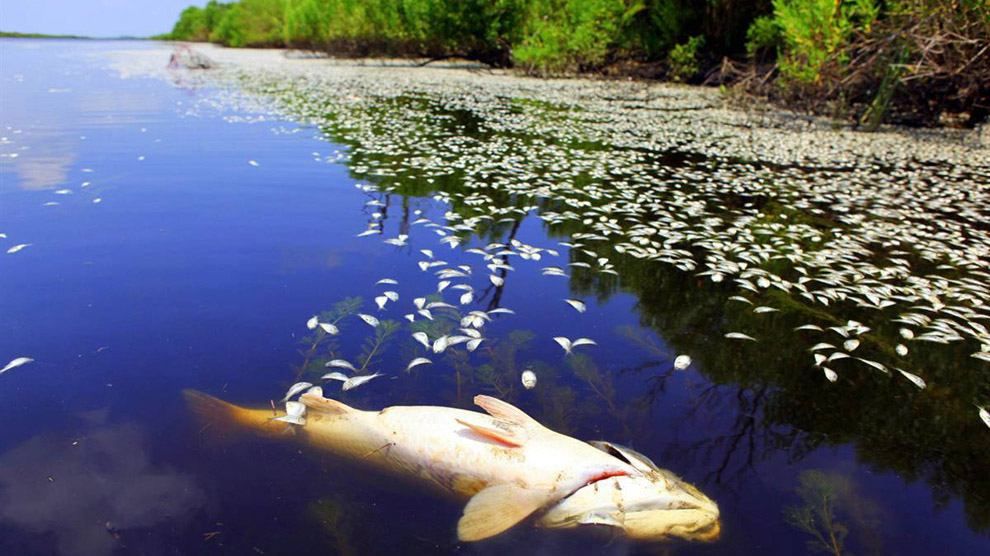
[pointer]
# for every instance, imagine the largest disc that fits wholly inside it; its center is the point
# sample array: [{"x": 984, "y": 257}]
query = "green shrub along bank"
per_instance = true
[{"x": 908, "y": 61}]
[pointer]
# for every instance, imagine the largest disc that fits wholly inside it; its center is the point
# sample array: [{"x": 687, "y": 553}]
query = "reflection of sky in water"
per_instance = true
[
  {"x": 50, "y": 106},
  {"x": 84, "y": 488}
]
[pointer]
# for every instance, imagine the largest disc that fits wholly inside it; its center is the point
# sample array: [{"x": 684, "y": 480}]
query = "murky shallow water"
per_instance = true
[{"x": 222, "y": 226}]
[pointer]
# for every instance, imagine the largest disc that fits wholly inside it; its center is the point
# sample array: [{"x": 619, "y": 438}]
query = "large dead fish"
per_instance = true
[{"x": 507, "y": 464}]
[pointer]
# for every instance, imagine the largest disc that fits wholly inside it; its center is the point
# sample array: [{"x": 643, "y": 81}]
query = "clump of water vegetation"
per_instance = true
[
  {"x": 907, "y": 61},
  {"x": 829, "y": 505}
]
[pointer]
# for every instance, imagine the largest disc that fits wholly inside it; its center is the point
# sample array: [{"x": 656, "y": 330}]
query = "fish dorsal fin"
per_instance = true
[
  {"x": 630, "y": 456},
  {"x": 499, "y": 431},
  {"x": 325, "y": 405},
  {"x": 496, "y": 509},
  {"x": 505, "y": 411}
]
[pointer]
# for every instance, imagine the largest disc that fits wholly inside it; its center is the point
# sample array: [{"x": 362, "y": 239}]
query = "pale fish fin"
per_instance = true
[
  {"x": 325, "y": 405},
  {"x": 504, "y": 411},
  {"x": 496, "y": 509},
  {"x": 499, "y": 431}
]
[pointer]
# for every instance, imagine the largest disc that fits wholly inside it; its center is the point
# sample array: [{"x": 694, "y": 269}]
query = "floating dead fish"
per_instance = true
[
  {"x": 16, "y": 363},
  {"x": 528, "y": 379},
  {"x": 329, "y": 328},
  {"x": 356, "y": 381},
  {"x": 568, "y": 345},
  {"x": 917, "y": 380},
  {"x": 17, "y": 248},
  {"x": 340, "y": 364},
  {"x": 417, "y": 362},
  {"x": 682, "y": 362},
  {"x": 294, "y": 413},
  {"x": 578, "y": 305},
  {"x": 739, "y": 336},
  {"x": 550, "y": 474},
  {"x": 372, "y": 321},
  {"x": 295, "y": 389},
  {"x": 312, "y": 323}
]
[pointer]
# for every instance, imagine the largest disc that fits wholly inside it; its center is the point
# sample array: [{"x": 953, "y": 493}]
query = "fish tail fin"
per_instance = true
[{"x": 220, "y": 418}]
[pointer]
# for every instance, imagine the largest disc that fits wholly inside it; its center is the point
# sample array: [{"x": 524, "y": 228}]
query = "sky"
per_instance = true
[{"x": 94, "y": 18}]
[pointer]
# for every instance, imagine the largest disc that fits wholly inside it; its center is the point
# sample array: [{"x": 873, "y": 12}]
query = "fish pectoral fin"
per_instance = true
[
  {"x": 504, "y": 411},
  {"x": 496, "y": 509},
  {"x": 501, "y": 432},
  {"x": 325, "y": 405}
]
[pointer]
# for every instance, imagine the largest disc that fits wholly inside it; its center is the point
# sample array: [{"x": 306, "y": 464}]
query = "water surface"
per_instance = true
[{"x": 195, "y": 233}]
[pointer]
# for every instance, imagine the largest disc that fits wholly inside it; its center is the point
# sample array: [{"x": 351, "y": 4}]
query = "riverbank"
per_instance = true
[{"x": 655, "y": 113}]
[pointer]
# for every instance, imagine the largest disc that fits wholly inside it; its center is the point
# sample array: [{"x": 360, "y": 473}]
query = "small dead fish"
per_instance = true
[
  {"x": 296, "y": 388},
  {"x": 16, "y": 363},
  {"x": 356, "y": 381},
  {"x": 340, "y": 364},
  {"x": 312, "y": 323},
  {"x": 578, "y": 305},
  {"x": 17, "y": 248},
  {"x": 682, "y": 362},
  {"x": 917, "y": 380},
  {"x": 417, "y": 362},
  {"x": 568, "y": 345},
  {"x": 528, "y": 379},
  {"x": 330, "y": 328},
  {"x": 739, "y": 336},
  {"x": 372, "y": 321}
]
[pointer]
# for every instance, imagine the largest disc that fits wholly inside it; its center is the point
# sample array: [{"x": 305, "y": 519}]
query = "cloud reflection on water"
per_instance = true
[{"x": 49, "y": 486}]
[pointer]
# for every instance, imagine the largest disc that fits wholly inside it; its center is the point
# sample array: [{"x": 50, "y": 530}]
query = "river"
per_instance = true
[{"x": 174, "y": 229}]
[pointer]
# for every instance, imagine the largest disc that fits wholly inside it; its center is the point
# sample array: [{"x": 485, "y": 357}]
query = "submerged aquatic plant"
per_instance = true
[{"x": 821, "y": 493}]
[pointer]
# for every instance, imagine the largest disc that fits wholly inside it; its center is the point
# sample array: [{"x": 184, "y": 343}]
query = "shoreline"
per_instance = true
[{"x": 761, "y": 132}]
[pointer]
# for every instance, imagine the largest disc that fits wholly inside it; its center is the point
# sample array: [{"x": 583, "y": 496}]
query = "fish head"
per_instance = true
[{"x": 653, "y": 504}]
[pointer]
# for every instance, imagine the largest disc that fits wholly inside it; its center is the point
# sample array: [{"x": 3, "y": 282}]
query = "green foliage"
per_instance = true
[
  {"x": 815, "y": 30},
  {"x": 762, "y": 37},
  {"x": 683, "y": 59},
  {"x": 569, "y": 35},
  {"x": 196, "y": 24}
]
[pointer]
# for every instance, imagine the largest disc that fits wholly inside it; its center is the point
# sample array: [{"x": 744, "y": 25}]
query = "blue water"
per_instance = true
[{"x": 198, "y": 270}]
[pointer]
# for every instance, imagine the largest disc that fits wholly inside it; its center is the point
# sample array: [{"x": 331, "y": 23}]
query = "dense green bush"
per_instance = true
[
  {"x": 683, "y": 59},
  {"x": 815, "y": 30}
]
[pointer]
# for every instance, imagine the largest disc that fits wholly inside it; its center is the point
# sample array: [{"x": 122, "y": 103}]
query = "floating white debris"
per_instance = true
[{"x": 253, "y": 163}]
